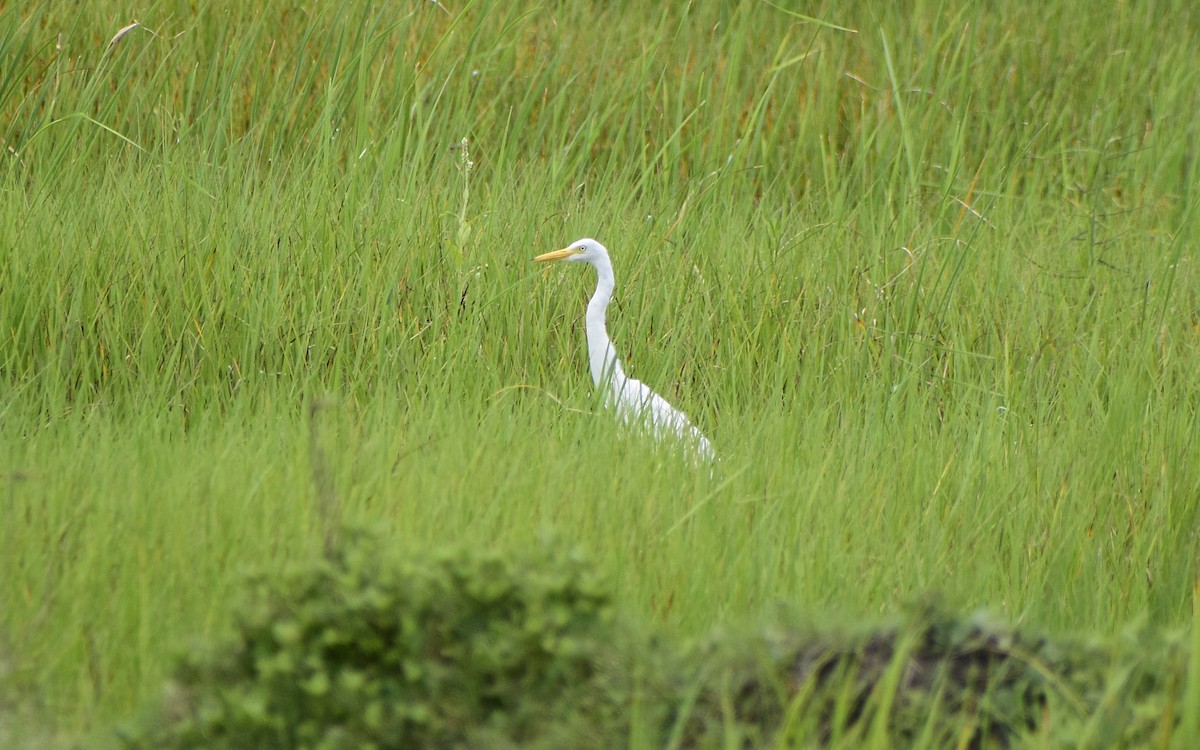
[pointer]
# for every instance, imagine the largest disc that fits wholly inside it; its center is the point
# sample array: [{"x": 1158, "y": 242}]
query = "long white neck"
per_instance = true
[{"x": 602, "y": 357}]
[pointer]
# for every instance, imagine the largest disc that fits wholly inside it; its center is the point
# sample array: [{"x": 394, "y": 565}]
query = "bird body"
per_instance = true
[{"x": 631, "y": 399}]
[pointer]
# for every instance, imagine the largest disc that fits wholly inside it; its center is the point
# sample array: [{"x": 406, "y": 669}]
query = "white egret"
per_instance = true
[{"x": 632, "y": 399}]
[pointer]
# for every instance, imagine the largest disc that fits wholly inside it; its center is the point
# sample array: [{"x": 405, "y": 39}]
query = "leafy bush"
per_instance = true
[
  {"x": 934, "y": 680},
  {"x": 937, "y": 679},
  {"x": 360, "y": 650}
]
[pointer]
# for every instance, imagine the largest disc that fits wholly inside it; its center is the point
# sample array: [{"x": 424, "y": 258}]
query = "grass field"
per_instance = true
[{"x": 924, "y": 274}]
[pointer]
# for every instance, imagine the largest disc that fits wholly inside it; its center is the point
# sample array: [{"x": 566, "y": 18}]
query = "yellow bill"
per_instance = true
[{"x": 566, "y": 252}]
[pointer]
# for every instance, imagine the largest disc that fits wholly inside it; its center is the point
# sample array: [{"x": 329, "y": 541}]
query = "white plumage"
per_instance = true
[{"x": 631, "y": 399}]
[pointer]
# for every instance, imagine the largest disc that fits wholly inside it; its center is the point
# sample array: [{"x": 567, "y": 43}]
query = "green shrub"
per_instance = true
[
  {"x": 934, "y": 680},
  {"x": 365, "y": 650}
]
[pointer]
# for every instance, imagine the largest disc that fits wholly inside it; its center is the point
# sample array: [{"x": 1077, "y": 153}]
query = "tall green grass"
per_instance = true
[{"x": 924, "y": 274}]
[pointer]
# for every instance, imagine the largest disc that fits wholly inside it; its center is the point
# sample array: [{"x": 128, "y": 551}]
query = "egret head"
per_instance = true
[{"x": 586, "y": 250}]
